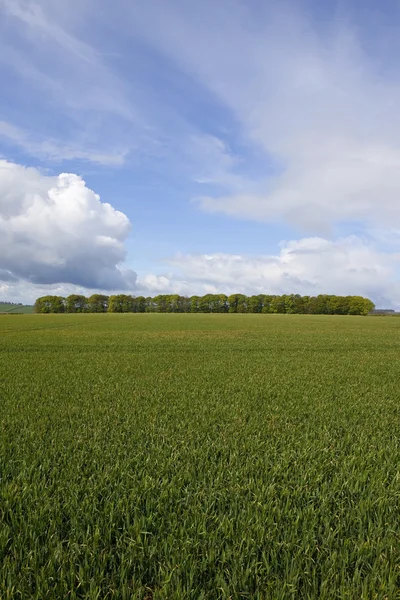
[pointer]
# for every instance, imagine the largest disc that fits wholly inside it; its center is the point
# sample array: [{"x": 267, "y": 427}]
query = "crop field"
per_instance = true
[
  {"x": 5, "y": 307},
  {"x": 199, "y": 457}
]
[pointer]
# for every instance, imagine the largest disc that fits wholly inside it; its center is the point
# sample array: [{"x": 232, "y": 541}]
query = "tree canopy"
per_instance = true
[{"x": 210, "y": 303}]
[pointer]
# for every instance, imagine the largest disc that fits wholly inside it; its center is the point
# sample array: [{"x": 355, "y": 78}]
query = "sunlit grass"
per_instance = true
[{"x": 199, "y": 456}]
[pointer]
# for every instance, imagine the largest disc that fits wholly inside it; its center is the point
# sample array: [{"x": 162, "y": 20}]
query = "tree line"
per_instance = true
[
  {"x": 11, "y": 303},
  {"x": 210, "y": 303}
]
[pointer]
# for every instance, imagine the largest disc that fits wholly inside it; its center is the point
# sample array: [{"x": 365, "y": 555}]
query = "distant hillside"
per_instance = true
[{"x": 6, "y": 307}]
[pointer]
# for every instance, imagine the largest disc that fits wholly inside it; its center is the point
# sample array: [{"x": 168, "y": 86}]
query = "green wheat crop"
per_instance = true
[{"x": 199, "y": 457}]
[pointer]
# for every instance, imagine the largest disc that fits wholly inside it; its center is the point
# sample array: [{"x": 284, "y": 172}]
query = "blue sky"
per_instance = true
[{"x": 230, "y": 146}]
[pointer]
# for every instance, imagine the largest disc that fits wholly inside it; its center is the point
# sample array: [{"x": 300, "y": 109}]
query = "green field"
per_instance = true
[
  {"x": 199, "y": 456},
  {"x": 6, "y": 307}
]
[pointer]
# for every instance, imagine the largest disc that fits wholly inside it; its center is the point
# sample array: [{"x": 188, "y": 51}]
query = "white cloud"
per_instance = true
[
  {"x": 56, "y": 230},
  {"x": 64, "y": 99},
  {"x": 308, "y": 266},
  {"x": 49, "y": 149},
  {"x": 321, "y": 109},
  {"x": 26, "y": 293},
  {"x": 355, "y": 184},
  {"x": 306, "y": 100},
  {"x": 70, "y": 67},
  {"x": 212, "y": 161},
  {"x": 155, "y": 284}
]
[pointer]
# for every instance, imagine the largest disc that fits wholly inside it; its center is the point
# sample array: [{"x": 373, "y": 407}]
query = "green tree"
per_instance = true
[
  {"x": 237, "y": 303},
  {"x": 149, "y": 304},
  {"x": 204, "y": 304},
  {"x": 76, "y": 303},
  {"x": 359, "y": 305},
  {"x": 368, "y": 306},
  {"x": 266, "y": 303},
  {"x": 312, "y": 305},
  {"x": 221, "y": 303},
  {"x": 255, "y": 304},
  {"x": 338, "y": 305},
  {"x": 97, "y": 303},
  {"x": 184, "y": 304},
  {"x": 121, "y": 303},
  {"x": 277, "y": 304},
  {"x": 290, "y": 304},
  {"x": 215, "y": 303},
  {"x": 173, "y": 303},
  {"x": 50, "y": 304},
  {"x": 298, "y": 304},
  {"x": 194, "y": 304},
  {"x": 322, "y": 306},
  {"x": 140, "y": 304},
  {"x": 159, "y": 303}
]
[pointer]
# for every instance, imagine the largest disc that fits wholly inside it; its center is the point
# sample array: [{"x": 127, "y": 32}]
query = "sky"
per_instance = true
[{"x": 153, "y": 146}]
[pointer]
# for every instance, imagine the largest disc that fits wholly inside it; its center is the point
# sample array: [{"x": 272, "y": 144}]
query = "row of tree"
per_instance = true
[{"x": 211, "y": 303}]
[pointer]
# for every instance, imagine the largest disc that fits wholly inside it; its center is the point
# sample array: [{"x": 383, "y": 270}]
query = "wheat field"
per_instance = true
[{"x": 199, "y": 457}]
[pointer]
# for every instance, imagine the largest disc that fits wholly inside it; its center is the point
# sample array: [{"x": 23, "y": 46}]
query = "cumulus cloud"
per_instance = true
[
  {"x": 56, "y": 230},
  {"x": 308, "y": 266}
]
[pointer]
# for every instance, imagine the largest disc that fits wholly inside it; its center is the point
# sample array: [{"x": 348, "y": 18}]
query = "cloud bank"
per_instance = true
[
  {"x": 310, "y": 266},
  {"x": 56, "y": 230}
]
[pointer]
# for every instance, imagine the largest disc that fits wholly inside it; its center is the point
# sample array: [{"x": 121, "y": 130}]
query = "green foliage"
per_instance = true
[
  {"x": 359, "y": 305},
  {"x": 199, "y": 457},
  {"x": 140, "y": 302},
  {"x": 97, "y": 303},
  {"x": 76, "y": 304},
  {"x": 50, "y": 304},
  {"x": 121, "y": 304},
  {"x": 194, "y": 304},
  {"x": 210, "y": 303},
  {"x": 237, "y": 303},
  {"x": 255, "y": 304}
]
